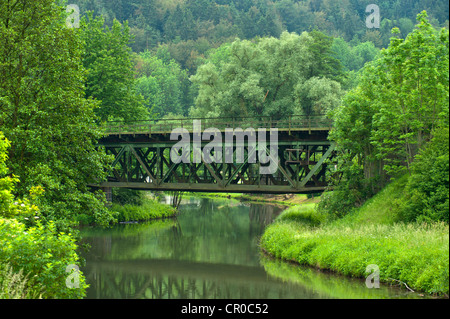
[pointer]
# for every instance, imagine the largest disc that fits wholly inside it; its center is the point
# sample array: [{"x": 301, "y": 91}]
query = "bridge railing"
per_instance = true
[{"x": 166, "y": 126}]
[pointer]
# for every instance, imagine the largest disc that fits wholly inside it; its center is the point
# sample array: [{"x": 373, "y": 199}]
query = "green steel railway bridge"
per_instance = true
[{"x": 142, "y": 156}]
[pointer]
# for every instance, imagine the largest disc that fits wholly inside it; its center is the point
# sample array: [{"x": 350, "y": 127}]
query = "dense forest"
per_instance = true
[
  {"x": 386, "y": 89},
  {"x": 172, "y": 39},
  {"x": 196, "y": 24}
]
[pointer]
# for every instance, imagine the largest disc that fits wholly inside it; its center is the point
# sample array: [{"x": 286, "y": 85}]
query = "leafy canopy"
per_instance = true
[
  {"x": 163, "y": 84},
  {"x": 269, "y": 77},
  {"x": 384, "y": 126},
  {"x": 110, "y": 80},
  {"x": 44, "y": 112}
]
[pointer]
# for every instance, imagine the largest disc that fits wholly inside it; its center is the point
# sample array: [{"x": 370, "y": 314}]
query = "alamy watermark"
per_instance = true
[
  {"x": 73, "y": 20},
  {"x": 218, "y": 150},
  {"x": 73, "y": 279},
  {"x": 373, "y": 280},
  {"x": 373, "y": 20}
]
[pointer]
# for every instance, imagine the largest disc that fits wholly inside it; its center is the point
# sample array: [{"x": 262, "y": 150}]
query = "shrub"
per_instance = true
[
  {"x": 124, "y": 196},
  {"x": 14, "y": 285},
  {"x": 43, "y": 255},
  {"x": 150, "y": 209},
  {"x": 427, "y": 192},
  {"x": 350, "y": 192}
]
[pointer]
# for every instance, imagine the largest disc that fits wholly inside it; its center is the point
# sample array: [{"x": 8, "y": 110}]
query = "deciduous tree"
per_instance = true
[
  {"x": 110, "y": 80},
  {"x": 268, "y": 77},
  {"x": 44, "y": 112}
]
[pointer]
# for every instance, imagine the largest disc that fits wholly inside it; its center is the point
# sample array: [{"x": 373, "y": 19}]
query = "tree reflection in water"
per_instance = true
[{"x": 210, "y": 251}]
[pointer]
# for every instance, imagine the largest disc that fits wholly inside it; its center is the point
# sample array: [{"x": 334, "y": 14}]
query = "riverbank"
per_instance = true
[
  {"x": 412, "y": 255},
  {"x": 150, "y": 209},
  {"x": 284, "y": 199}
]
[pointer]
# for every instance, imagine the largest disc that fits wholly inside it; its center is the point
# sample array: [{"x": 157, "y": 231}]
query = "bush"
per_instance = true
[
  {"x": 14, "y": 285},
  {"x": 421, "y": 196},
  {"x": 350, "y": 192},
  {"x": 124, "y": 196},
  {"x": 427, "y": 192},
  {"x": 43, "y": 255},
  {"x": 305, "y": 214},
  {"x": 149, "y": 209}
]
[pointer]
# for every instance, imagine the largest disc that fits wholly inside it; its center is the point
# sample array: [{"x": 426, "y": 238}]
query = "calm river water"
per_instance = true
[{"x": 210, "y": 251}]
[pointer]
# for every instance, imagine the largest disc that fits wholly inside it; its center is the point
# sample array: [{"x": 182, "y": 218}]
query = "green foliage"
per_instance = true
[
  {"x": 323, "y": 63},
  {"x": 411, "y": 88},
  {"x": 148, "y": 210},
  {"x": 14, "y": 285},
  {"x": 268, "y": 77},
  {"x": 353, "y": 57},
  {"x": 34, "y": 255},
  {"x": 317, "y": 95},
  {"x": 6, "y": 183},
  {"x": 426, "y": 195},
  {"x": 10, "y": 206},
  {"x": 163, "y": 84},
  {"x": 43, "y": 254},
  {"x": 217, "y": 21},
  {"x": 110, "y": 79},
  {"x": 181, "y": 25},
  {"x": 189, "y": 29},
  {"x": 44, "y": 112},
  {"x": 414, "y": 254},
  {"x": 384, "y": 122},
  {"x": 124, "y": 196},
  {"x": 188, "y": 54},
  {"x": 347, "y": 195},
  {"x": 4, "y": 145}
]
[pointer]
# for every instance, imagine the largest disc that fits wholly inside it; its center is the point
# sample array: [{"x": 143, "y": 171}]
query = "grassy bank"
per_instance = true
[
  {"x": 417, "y": 255},
  {"x": 149, "y": 210},
  {"x": 286, "y": 200}
]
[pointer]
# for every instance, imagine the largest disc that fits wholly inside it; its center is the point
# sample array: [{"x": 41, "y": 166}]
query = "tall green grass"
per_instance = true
[
  {"x": 305, "y": 214},
  {"x": 415, "y": 254},
  {"x": 384, "y": 208},
  {"x": 150, "y": 209}
]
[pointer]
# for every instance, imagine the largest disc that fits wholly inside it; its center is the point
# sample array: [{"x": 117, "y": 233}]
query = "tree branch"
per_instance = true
[{"x": 401, "y": 282}]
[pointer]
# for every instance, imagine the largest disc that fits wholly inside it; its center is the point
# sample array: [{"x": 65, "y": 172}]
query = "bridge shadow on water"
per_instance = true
[{"x": 209, "y": 252}]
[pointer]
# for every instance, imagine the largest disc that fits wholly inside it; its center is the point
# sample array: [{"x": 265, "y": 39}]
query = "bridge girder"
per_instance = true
[{"x": 142, "y": 161}]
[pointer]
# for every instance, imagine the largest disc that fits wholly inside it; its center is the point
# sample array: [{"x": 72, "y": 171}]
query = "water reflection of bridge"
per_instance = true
[
  {"x": 209, "y": 251},
  {"x": 170, "y": 279}
]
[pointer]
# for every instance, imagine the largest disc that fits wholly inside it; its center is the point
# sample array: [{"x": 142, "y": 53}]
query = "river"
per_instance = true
[{"x": 210, "y": 251}]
